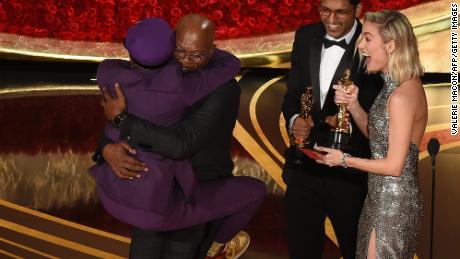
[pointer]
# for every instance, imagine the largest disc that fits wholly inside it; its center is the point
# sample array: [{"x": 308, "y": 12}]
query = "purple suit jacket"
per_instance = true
[{"x": 160, "y": 96}]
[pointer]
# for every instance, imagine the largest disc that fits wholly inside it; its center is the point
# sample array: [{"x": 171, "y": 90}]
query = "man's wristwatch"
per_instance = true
[{"x": 118, "y": 120}]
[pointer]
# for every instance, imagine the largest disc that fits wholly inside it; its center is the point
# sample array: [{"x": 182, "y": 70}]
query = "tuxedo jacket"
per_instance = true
[
  {"x": 305, "y": 66},
  {"x": 204, "y": 135}
]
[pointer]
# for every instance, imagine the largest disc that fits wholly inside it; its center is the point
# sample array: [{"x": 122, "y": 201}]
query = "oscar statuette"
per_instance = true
[
  {"x": 306, "y": 106},
  {"x": 339, "y": 137}
]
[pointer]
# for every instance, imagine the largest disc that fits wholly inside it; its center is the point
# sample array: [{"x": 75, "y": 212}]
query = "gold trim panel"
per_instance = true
[
  {"x": 64, "y": 222},
  {"x": 57, "y": 240},
  {"x": 27, "y": 248},
  {"x": 10, "y": 254}
]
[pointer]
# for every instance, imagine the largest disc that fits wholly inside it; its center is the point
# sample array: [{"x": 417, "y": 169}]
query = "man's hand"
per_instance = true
[
  {"x": 123, "y": 165},
  {"x": 301, "y": 127},
  {"x": 332, "y": 120},
  {"x": 113, "y": 105}
]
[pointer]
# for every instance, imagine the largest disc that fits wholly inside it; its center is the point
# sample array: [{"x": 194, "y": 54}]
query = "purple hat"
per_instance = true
[{"x": 150, "y": 42}]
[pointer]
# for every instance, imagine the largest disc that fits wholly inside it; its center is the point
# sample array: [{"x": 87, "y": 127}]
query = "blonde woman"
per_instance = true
[{"x": 395, "y": 126}]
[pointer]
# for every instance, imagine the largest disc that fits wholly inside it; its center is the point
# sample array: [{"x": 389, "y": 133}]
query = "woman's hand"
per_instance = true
[
  {"x": 348, "y": 96},
  {"x": 330, "y": 157}
]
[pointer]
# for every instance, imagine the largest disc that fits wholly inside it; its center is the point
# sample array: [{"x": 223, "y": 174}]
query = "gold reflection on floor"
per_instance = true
[{"x": 57, "y": 180}]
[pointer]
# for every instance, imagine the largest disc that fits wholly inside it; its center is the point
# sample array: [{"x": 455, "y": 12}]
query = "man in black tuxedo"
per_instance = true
[
  {"x": 320, "y": 53},
  {"x": 204, "y": 135}
]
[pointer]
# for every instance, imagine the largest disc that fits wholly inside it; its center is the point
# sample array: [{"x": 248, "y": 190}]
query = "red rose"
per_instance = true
[
  {"x": 228, "y": 3},
  {"x": 109, "y": 4},
  {"x": 3, "y": 26},
  {"x": 284, "y": 11},
  {"x": 109, "y": 12},
  {"x": 158, "y": 11},
  {"x": 92, "y": 35},
  {"x": 252, "y": 22},
  {"x": 27, "y": 30},
  {"x": 67, "y": 35},
  {"x": 49, "y": 18},
  {"x": 17, "y": 7},
  {"x": 92, "y": 12},
  {"x": 92, "y": 22},
  {"x": 267, "y": 11},
  {"x": 242, "y": 23},
  {"x": 289, "y": 2},
  {"x": 103, "y": 36},
  {"x": 73, "y": 19},
  {"x": 57, "y": 22},
  {"x": 74, "y": 27},
  {"x": 262, "y": 19},
  {"x": 260, "y": 28},
  {"x": 306, "y": 7},
  {"x": 176, "y": 12},
  {"x": 245, "y": 31},
  {"x": 201, "y": 3},
  {"x": 82, "y": 18},
  {"x": 81, "y": 35},
  {"x": 109, "y": 22},
  {"x": 233, "y": 32},
  {"x": 235, "y": 15},
  {"x": 217, "y": 15},
  {"x": 70, "y": 11},
  {"x": 112, "y": 30},
  {"x": 173, "y": 22},
  {"x": 12, "y": 29},
  {"x": 221, "y": 31},
  {"x": 52, "y": 9}
]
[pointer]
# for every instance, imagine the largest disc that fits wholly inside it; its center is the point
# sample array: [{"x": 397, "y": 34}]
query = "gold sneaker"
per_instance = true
[
  {"x": 217, "y": 250},
  {"x": 237, "y": 245}
]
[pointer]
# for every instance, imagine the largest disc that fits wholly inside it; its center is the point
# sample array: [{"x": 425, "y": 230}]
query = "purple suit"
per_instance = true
[{"x": 168, "y": 196}]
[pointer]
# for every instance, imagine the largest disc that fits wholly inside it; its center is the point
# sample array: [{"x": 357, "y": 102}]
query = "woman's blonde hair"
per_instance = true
[{"x": 404, "y": 61}]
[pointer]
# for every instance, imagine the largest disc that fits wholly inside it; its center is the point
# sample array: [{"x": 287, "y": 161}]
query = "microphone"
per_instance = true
[{"x": 433, "y": 149}]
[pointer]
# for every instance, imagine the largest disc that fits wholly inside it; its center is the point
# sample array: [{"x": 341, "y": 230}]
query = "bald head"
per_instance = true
[
  {"x": 197, "y": 27},
  {"x": 194, "y": 39}
]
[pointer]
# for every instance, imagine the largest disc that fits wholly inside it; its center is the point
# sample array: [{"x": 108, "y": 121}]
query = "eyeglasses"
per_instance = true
[
  {"x": 195, "y": 56},
  {"x": 341, "y": 13}
]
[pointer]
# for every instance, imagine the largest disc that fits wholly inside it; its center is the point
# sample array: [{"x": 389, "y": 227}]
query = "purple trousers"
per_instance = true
[{"x": 235, "y": 199}]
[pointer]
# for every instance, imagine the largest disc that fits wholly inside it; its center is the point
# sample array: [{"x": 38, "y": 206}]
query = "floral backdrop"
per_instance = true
[{"x": 108, "y": 20}]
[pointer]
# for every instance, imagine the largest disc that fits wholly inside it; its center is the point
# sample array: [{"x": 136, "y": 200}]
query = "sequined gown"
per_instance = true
[{"x": 393, "y": 205}]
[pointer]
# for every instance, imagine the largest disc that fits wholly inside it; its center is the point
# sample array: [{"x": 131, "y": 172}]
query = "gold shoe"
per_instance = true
[
  {"x": 216, "y": 251},
  {"x": 237, "y": 245}
]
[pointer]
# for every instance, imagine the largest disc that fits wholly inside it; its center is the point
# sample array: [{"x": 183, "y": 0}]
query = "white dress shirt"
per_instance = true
[{"x": 330, "y": 59}]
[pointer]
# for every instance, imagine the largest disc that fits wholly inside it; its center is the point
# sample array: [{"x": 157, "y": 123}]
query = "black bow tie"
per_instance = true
[{"x": 328, "y": 43}]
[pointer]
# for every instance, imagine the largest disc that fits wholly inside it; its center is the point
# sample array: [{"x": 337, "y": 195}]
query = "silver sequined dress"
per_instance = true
[{"x": 393, "y": 205}]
